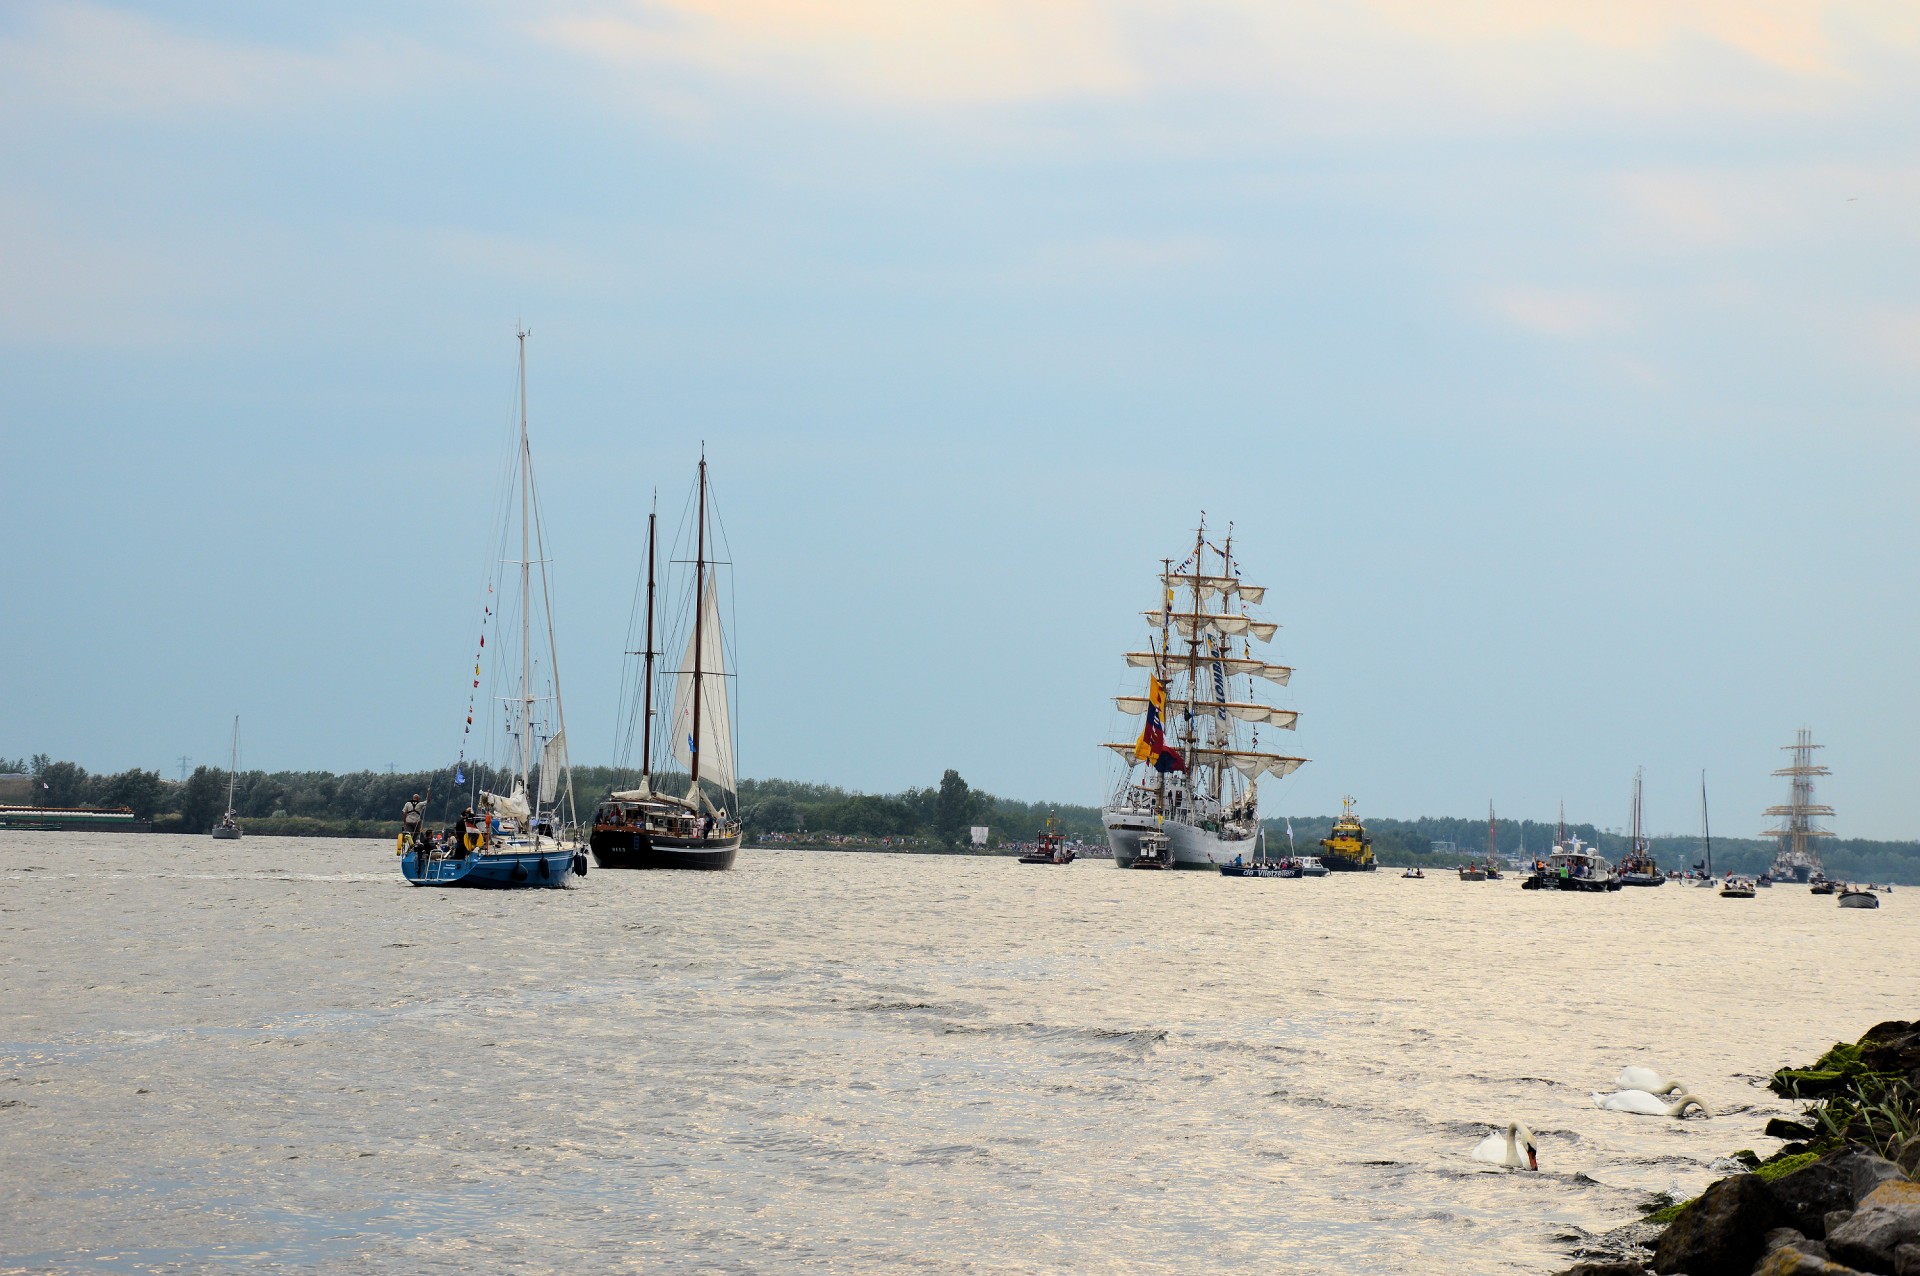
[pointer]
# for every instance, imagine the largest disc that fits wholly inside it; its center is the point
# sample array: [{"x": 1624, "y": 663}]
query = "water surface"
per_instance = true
[{"x": 274, "y": 1055}]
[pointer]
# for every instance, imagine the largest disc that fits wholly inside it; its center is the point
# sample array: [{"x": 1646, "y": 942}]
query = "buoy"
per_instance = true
[{"x": 472, "y": 839}]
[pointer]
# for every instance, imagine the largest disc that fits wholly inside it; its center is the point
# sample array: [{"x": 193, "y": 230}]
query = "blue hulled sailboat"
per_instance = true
[{"x": 523, "y": 837}]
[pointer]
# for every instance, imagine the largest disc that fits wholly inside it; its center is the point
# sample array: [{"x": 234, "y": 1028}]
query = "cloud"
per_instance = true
[
  {"x": 1410, "y": 58},
  {"x": 926, "y": 52},
  {"x": 1555, "y": 312},
  {"x": 98, "y": 60}
]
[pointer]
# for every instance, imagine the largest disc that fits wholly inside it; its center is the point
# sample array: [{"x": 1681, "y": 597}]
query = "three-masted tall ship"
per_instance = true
[
  {"x": 1193, "y": 774},
  {"x": 683, "y": 811},
  {"x": 1796, "y": 859}
]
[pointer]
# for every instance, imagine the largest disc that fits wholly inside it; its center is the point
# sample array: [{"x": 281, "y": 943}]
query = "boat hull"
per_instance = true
[
  {"x": 1585, "y": 885},
  {"x": 1338, "y": 863},
  {"x": 1193, "y": 847},
  {"x": 1642, "y": 879},
  {"x": 1859, "y": 899},
  {"x": 631, "y": 848},
  {"x": 547, "y": 868},
  {"x": 226, "y": 833}
]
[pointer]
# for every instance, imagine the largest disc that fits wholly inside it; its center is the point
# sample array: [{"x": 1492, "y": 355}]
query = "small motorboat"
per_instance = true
[
  {"x": 1415, "y": 873},
  {"x": 1763, "y": 881},
  {"x": 1051, "y": 848},
  {"x": 1156, "y": 851},
  {"x": 1858, "y": 897},
  {"x": 1310, "y": 866},
  {"x": 1737, "y": 888},
  {"x": 1472, "y": 873},
  {"x": 1822, "y": 887}
]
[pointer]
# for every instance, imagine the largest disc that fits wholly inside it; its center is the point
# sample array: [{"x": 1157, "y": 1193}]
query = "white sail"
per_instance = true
[
  {"x": 1283, "y": 718},
  {"x": 715, "y": 745},
  {"x": 553, "y": 762},
  {"x": 511, "y": 808}
]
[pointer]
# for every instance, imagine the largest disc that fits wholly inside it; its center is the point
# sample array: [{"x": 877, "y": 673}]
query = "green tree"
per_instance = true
[
  {"x": 62, "y": 784},
  {"x": 202, "y": 798},
  {"x": 952, "y": 809}
]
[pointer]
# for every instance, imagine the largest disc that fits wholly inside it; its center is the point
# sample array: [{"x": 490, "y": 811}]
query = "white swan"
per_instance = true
[
  {"x": 1513, "y": 1147},
  {"x": 1642, "y": 1103},
  {"x": 1645, "y": 1079}
]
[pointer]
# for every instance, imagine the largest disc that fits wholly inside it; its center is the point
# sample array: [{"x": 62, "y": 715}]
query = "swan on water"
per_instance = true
[
  {"x": 1513, "y": 1147},
  {"x": 1645, "y": 1079},
  {"x": 1642, "y": 1103}
]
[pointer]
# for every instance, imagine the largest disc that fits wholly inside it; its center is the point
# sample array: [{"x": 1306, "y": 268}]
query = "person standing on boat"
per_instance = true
[{"x": 412, "y": 815}]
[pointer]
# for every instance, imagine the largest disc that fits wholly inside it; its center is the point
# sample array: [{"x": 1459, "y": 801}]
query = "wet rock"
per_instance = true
[
  {"x": 1606, "y": 1267},
  {"x": 1864, "y": 1171},
  {"x": 1789, "y": 1261},
  {"x": 1778, "y": 1128},
  {"x": 1785, "y": 1237},
  {"x": 1805, "y": 1197},
  {"x": 1887, "y": 1220},
  {"x": 1834, "y": 1218},
  {"x": 1908, "y": 1157},
  {"x": 1721, "y": 1233},
  {"x": 1906, "y": 1260}
]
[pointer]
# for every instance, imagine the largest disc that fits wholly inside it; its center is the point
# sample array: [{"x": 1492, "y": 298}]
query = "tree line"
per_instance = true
[{"x": 942, "y": 814}]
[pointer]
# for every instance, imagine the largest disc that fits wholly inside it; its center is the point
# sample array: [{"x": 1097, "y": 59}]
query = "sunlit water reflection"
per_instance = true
[{"x": 274, "y": 1054}]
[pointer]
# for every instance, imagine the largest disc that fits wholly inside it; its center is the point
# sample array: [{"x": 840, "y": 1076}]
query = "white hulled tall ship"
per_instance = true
[
  {"x": 1796, "y": 860},
  {"x": 1193, "y": 774}
]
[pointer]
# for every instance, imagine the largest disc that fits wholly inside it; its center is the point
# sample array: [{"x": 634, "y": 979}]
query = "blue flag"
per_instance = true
[{"x": 459, "y": 776}]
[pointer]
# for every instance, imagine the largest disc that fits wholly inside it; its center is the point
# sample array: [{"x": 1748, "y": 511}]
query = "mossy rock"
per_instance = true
[
  {"x": 1667, "y": 1214},
  {"x": 1783, "y": 1166}
]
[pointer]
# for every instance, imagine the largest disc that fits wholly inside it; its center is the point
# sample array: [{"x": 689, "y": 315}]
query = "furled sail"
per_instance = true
[
  {"x": 509, "y": 808},
  {"x": 1247, "y": 762},
  {"x": 1283, "y": 718},
  {"x": 715, "y": 745},
  {"x": 553, "y": 763},
  {"x": 1191, "y": 624}
]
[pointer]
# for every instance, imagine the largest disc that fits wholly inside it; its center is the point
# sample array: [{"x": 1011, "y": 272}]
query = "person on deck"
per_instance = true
[{"x": 412, "y": 817}]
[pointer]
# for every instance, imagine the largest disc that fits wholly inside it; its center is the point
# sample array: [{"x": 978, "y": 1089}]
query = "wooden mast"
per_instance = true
[
  {"x": 646, "y": 721},
  {"x": 699, "y": 616}
]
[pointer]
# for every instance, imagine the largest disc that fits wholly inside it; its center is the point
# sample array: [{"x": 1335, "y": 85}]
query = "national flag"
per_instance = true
[{"x": 1151, "y": 747}]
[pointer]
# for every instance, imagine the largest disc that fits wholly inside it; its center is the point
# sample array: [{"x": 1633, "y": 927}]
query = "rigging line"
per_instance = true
[{"x": 553, "y": 650}]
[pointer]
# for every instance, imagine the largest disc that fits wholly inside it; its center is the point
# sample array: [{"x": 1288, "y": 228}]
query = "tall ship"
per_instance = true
[
  {"x": 1797, "y": 832},
  {"x": 682, "y": 811},
  {"x": 1192, "y": 776},
  {"x": 1637, "y": 866},
  {"x": 519, "y": 831},
  {"x": 1349, "y": 847}
]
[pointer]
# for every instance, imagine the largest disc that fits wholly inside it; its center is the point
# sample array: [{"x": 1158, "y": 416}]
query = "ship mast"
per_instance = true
[
  {"x": 526, "y": 580},
  {"x": 1800, "y": 811},
  {"x": 1706, "y": 832},
  {"x": 1193, "y": 661},
  {"x": 1166, "y": 668},
  {"x": 646, "y": 721},
  {"x": 1490, "y": 828},
  {"x": 699, "y": 617}
]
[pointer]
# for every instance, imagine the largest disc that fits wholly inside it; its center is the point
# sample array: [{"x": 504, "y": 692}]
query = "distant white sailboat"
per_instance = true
[{"x": 228, "y": 829}]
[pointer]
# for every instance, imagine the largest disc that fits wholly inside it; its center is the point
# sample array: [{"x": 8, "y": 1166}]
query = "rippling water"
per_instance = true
[{"x": 274, "y": 1054}]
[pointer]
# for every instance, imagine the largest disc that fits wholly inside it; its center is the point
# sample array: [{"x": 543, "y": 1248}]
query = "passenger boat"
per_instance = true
[
  {"x": 1349, "y": 847},
  {"x": 1051, "y": 847},
  {"x": 1152, "y": 851},
  {"x": 520, "y": 837},
  {"x": 1472, "y": 873},
  {"x": 655, "y": 824},
  {"x": 1858, "y": 897},
  {"x": 1194, "y": 776},
  {"x": 228, "y": 829},
  {"x": 1822, "y": 886},
  {"x": 1573, "y": 866},
  {"x": 1637, "y": 866},
  {"x": 1260, "y": 866}
]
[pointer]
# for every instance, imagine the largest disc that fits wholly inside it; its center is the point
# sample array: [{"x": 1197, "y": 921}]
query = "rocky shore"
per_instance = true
[{"x": 1841, "y": 1197}]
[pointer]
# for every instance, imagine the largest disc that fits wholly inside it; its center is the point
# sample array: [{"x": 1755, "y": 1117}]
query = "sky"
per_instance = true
[{"x": 1556, "y": 365}]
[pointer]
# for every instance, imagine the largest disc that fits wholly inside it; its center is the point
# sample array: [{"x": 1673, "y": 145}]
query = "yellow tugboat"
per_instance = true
[{"x": 1349, "y": 848}]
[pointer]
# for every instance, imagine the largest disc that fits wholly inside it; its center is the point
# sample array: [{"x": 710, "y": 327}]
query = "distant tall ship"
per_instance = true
[
  {"x": 683, "y": 811},
  {"x": 1796, "y": 860},
  {"x": 1194, "y": 778}
]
